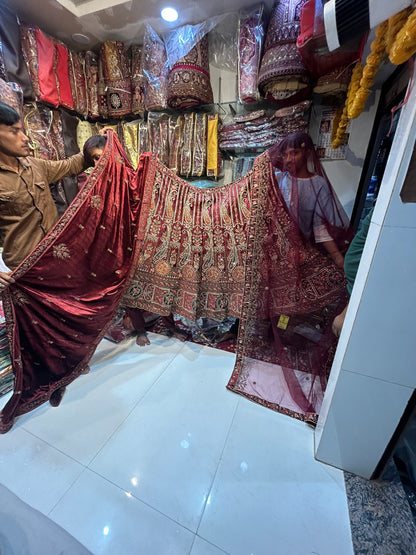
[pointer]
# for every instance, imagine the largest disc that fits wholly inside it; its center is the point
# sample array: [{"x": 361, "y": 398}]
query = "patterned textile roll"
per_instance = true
[
  {"x": 199, "y": 152},
  {"x": 189, "y": 80},
  {"x": 175, "y": 140},
  {"x": 62, "y": 76},
  {"x": 91, "y": 72},
  {"x": 137, "y": 81},
  {"x": 102, "y": 97},
  {"x": 78, "y": 82},
  {"x": 30, "y": 55},
  {"x": 281, "y": 60},
  {"x": 130, "y": 141},
  {"x": 250, "y": 42},
  {"x": 155, "y": 71},
  {"x": 117, "y": 78},
  {"x": 9, "y": 95}
]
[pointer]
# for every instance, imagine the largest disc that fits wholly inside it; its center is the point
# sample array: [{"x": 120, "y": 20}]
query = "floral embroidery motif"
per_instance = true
[
  {"x": 61, "y": 251},
  {"x": 96, "y": 201}
]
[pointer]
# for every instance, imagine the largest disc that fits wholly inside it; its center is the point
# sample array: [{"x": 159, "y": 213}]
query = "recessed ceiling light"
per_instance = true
[
  {"x": 169, "y": 14},
  {"x": 80, "y": 38}
]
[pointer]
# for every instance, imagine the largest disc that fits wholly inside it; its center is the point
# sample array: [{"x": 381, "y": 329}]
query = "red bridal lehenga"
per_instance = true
[
  {"x": 68, "y": 289},
  {"x": 229, "y": 251},
  {"x": 236, "y": 251}
]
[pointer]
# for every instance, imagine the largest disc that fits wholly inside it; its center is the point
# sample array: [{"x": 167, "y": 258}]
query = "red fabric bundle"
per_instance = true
[
  {"x": 46, "y": 69},
  {"x": 62, "y": 75}
]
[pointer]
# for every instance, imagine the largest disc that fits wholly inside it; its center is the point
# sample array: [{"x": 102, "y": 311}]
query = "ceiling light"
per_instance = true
[
  {"x": 169, "y": 14},
  {"x": 81, "y": 38}
]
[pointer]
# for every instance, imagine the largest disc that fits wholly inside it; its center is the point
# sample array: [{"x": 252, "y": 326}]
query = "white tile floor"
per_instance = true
[{"x": 149, "y": 454}]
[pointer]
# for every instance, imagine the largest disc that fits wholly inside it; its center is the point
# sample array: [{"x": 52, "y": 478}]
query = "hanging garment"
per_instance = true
[
  {"x": 15, "y": 68},
  {"x": 91, "y": 73},
  {"x": 250, "y": 43},
  {"x": 9, "y": 95},
  {"x": 78, "y": 82},
  {"x": 62, "y": 76},
  {"x": 102, "y": 96},
  {"x": 155, "y": 70},
  {"x": 46, "y": 69},
  {"x": 237, "y": 251},
  {"x": 68, "y": 289},
  {"x": 30, "y": 55},
  {"x": 193, "y": 255},
  {"x": 189, "y": 80},
  {"x": 137, "y": 80},
  {"x": 117, "y": 78},
  {"x": 283, "y": 76}
]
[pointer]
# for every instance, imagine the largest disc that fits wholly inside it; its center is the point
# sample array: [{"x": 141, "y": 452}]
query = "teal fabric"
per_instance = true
[{"x": 354, "y": 252}]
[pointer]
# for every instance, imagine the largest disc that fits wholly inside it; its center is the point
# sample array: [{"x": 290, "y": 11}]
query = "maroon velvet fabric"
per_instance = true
[{"x": 68, "y": 289}]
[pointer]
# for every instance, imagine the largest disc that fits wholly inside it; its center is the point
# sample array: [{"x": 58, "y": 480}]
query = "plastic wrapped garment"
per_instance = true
[
  {"x": 91, "y": 73},
  {"x": 9, "y": 94},
  {"x": 137, "y": 80},
  {"x": 155, "y": 70},
  {"x": 43, "y": 126},
  {"x": 187, "y": 144},
  {"x": 250, "y": 43},
  {"x": 39, "y": 53},
  {"x": 283, "y": 77},
  {"x": 158, "y": 135},
  {"x": 62, "y": 75},
  {"x": 30, "y": 55},
  {"x": 102, "y": 96},
  {"x": 175, "y": 141},
  {"x": 116, "y": 70},
  {"x": 78, "y": 82},
  {"x": 214, "y": 159},
  {"x": 130, "y": 141},
  {"x": 312, "y": 45},
  {"x": 189, "y": 80},
  {"x": 12, "y": 63},
  {"x": 199, "y": 147}
]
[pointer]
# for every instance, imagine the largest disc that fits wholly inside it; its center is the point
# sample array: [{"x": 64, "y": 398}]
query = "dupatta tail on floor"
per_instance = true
[
  {"x": 292, "y": 292},
  {"x": 68, "y": 289}
]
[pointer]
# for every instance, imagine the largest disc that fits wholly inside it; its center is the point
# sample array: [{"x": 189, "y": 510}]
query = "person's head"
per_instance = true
[
  {"x": 13, "y": 140},
  {"x": 295, "y": 150},
  {"x": 93, "y": 148}
]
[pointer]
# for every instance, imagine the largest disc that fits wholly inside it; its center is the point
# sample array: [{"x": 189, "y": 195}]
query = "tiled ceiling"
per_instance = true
[{"x": 102, "y": 20}]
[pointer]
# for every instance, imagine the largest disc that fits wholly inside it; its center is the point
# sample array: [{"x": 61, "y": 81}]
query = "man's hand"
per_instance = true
[{"x": 5, "y": 280}]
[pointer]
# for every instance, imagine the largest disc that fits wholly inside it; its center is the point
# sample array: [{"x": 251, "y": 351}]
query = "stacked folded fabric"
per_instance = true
[{"x": 257, "y": 130}]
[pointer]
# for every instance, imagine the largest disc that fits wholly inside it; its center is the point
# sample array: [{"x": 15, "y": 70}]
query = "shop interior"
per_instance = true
[{"x": 183, "y": 443}]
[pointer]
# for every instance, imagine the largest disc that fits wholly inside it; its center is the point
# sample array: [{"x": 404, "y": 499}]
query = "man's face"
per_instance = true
[
  {"x": 13, "y": 141},
  {"x": 294, "y": 160}
]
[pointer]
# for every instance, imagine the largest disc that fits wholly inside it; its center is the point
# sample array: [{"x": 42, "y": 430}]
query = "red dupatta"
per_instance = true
[{"x": 67, "y": 290}]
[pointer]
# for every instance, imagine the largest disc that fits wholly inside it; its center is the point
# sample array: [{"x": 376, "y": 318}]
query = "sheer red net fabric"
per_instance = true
[
  {"x": 68, "y": 289},
  {"x": 293, "y": 290}
]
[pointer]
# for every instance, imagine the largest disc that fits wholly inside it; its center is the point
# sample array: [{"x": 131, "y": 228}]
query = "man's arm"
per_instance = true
[{"x": 58, "y": 169}]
